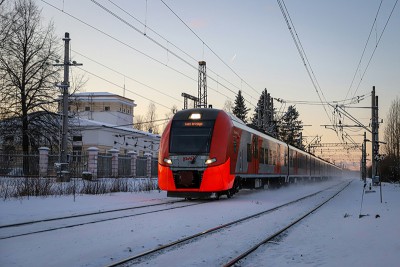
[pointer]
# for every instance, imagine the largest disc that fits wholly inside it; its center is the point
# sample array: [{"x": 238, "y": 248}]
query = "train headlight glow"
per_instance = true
[
  {"x": 195, "y": 116},
  {"x": 168, "y": 161},
  {"x": 209, "y": 161}
]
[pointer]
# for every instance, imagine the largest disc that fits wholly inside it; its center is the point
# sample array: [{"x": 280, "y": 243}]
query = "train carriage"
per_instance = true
[{"x": 208, "y": 152}]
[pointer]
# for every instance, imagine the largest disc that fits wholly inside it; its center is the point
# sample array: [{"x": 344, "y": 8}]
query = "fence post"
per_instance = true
[
  {"x": 43, "y": 161},
  {"x": 114, "y": 161},
  {"x": 133, "y": 155},
  {"x": 92, "y": 161},
  {"x": 148, "y": 161}
]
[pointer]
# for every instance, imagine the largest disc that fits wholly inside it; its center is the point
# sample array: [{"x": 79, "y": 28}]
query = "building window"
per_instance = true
[
  {"x": 107, "y": 108},
  {"x": 87, "y": 108},
  {"x": 77, "y": 138},
  {"x": 76, "y": 153}
]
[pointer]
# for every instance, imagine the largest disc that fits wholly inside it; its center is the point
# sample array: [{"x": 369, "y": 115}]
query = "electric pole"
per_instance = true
[
  {"x": 63, "y": 164},
  {"x": 202, "y": 90},
  {"x": 375, "y": 136},
  {"x": 364, "y": 158}
]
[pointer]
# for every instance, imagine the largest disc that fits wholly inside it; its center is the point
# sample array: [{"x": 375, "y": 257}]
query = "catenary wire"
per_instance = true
[
  {"x": 204, "y": 43},
  {"x": 302, "y": 53},
  {"x": 161, "y": 45},
  {"x": 110, "y": 82},
  {"x": 174, "y": 45},
  {"x": 376, "y": 46},
  {"x": 131, "y": 47},
  {"x": 130, "y": 78},
  {"x": 365, "y": 47}
]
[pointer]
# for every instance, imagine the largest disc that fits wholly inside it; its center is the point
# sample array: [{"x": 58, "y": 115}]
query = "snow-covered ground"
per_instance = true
[{"x": 332, "y": 236}]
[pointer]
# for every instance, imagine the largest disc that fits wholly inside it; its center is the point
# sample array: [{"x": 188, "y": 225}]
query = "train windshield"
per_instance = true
[{"x": 191, "y": 137}]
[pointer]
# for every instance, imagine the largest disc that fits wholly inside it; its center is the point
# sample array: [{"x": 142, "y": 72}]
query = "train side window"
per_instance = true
[
  {"x": 249, "y": 152},
  {"x": 255, "y": 140},
  {"x": 262, "y": 155},
  {"x": 266, "y": 156},
  {"x": 273, "y": 157}
]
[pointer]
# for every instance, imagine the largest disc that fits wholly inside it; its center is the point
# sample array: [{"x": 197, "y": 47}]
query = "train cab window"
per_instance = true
[{"x": 191, "y": 137}]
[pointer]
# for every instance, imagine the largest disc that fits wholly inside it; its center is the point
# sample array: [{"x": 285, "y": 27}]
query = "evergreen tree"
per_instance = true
[
  {"x": 239, "y": 109},
  {"x": 264, "y": 114},
  {"x": 290, "y": 127}
]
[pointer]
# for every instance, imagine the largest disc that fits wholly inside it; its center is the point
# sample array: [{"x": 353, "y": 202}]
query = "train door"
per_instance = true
[
  {"x": 278, "y": 159},
  {"x": 254, "y": 148}
]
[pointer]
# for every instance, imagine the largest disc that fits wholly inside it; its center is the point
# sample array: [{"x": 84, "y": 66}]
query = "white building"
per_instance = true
[
  {"x": 105, "y": 120},
  {"x": 103, "y": 106}
]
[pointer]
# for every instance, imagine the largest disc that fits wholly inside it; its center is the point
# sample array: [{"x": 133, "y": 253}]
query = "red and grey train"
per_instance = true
[{"x": 209, "y": 152}]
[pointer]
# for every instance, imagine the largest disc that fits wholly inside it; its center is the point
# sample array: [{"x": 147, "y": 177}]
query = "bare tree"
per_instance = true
[
  {"x": 390, "y": 166},
  {"x": 392, "y": 130},
  {"x": 228, "y": 106},
  {"x": 151, "y": 116},
  {"x": 139, "y": 123},
  {"x": 168, "y": 116},
  {"x": 28, "y": 50}
]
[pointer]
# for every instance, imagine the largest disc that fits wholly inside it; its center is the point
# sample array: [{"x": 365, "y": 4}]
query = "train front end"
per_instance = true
[{"x": 194, "y": 160}]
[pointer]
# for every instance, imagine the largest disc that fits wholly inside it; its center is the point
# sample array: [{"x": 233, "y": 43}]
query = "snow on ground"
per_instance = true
[
  {"x": 333, "y": 236},
  {"x": 337, "y": 236}
]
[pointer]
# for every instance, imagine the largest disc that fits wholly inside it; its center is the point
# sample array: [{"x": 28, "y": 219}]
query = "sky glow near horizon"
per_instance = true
[{"x": 251, "y": 37}]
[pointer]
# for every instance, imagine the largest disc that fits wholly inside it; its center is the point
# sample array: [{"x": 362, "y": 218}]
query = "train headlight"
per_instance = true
[
  {"x": 195, "y": 116},
  {"x": 209, "y": 161},
  {"x": 168, "y": 161}
]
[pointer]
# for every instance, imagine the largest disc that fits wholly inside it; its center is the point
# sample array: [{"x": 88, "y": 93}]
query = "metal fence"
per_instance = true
[{"x": 18, "y": 165}]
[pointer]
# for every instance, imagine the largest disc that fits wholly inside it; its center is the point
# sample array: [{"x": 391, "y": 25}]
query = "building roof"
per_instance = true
[
  {"x": 90, "y": 124},
  {"x": 106, "y": 95}
]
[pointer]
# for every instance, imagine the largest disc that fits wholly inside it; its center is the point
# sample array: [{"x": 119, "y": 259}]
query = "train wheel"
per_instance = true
[{"x": 228, "y": 194}]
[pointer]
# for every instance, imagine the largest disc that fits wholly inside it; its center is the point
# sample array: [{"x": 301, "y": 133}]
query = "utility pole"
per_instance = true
[
  {"x": 63, "y": 164},
  {"x": 364, "y": 158},
  {"x": 202, "y": 90},
  {"x": 375, "y": 136}
]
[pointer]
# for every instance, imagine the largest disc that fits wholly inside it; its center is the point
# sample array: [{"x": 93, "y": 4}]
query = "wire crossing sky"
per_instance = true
[{"x": 150, "y": 50}]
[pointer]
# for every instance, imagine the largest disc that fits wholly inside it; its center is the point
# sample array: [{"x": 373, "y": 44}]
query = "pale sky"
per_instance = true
[{"x": 251, "y": 37}]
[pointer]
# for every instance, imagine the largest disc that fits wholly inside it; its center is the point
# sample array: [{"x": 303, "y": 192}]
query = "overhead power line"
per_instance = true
[
  {"x": 205, "y": 44},
  {"x": 365, "y": 48},
  {"x": 140, "y": 52},
  {"x": 110, "y": 82},
  {"x": 126, "y": 76},
  {"x": 173, "y": 45},
  {"x": 159, "y": 44},
  {"x": 376, "y": 46},
  {"x": 302, "y": 54}
]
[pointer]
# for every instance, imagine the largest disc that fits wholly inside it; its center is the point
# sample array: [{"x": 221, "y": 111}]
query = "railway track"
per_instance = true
[
  {"x": 51, "y": 224},
  {"x": 176, "y": 245},
  {"x": 271, "y": 237}
]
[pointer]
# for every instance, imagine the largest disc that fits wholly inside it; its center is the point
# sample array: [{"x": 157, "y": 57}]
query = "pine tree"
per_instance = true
[
  {"x": 290, "y": 127},
  {"x": 239, "y": 109},
  {"x": 264, "y": 114}
]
